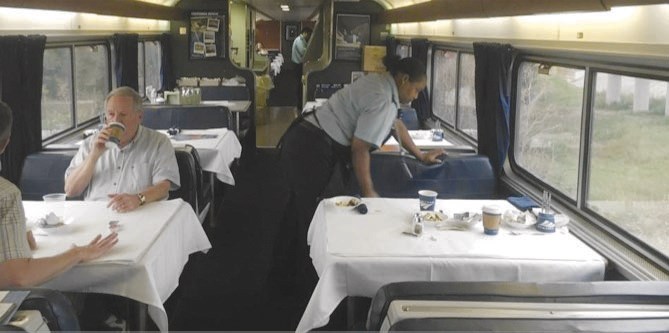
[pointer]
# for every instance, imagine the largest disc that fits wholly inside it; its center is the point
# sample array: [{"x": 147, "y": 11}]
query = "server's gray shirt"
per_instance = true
[{"x": 365, "y": 109}]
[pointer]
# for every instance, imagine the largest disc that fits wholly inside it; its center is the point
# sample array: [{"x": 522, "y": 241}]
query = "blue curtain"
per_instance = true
[
  {"x": 125, "y": 60},
  {"x": 419, "y": 48},
  {"x": 167, "y": 79},
  {"x": 21, "y": 66},
  {"x": 492, "y": 81},
  {"x": 391, "y": 45}
]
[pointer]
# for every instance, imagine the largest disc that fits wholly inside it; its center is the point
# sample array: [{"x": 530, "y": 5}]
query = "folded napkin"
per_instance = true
[{"x": 523, "y": 203}]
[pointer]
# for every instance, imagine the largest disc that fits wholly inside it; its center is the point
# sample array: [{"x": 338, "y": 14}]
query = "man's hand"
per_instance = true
[
  {"x": 431, "y": 157},
  {"x": 97, "y": 247},
  {"x": 123, "y": 202},
  {"x": 101, "y": 139}
]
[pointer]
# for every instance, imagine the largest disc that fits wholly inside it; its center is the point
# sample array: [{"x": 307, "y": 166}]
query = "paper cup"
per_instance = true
[
  {"x": 427, "y": 199},
  {"x": 492, "y": 216},
  {"x": 116, "y": 132}
]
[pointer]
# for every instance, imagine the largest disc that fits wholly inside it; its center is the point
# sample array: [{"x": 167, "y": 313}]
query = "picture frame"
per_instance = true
[
  {"x": 291, "y": 31},
  {"x": 353, "y": 31},
  {"x": 206, "y": 38}
]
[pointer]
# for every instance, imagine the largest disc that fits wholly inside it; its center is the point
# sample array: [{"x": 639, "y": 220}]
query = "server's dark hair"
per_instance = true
[
  {"x": 5, "y": 120},
  {"x": 306, "y": 29},
  {"x": 410, "y": 66}
]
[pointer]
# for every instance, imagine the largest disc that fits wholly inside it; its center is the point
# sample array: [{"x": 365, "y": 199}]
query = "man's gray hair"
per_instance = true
[
  {"x": 126, "y": 92},
  {"x": 5, "y": 121}
]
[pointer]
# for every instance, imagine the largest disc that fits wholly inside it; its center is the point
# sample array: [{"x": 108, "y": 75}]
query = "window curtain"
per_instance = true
[
  {"x": 167, "y": 79},
  {"x": 421, "y": 104},
  {"x": 21, "y": 66},
  {"x": 125, "y": 60},
  {"x": 492, "y": 82},
  {"x": 391, "y": 45}
]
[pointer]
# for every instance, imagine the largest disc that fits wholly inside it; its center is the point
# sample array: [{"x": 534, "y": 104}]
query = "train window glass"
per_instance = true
[
  {"x": 149, "y": 63},
  {"x": 152, "y": 63},
  {"x": 403, "y": 50},
  {"x": 444, "y": 88},
  {"x": 629, "y": 178},
  {"x": 549, "y": 108},
  {"x": 91, "y": 80},
  {"x": 57, "y": 108},
  {"x": 467, "y": 96}
]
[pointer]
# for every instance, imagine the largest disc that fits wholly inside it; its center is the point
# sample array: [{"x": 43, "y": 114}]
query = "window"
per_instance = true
[
  {"x": 149, "y": 62},
  {"x": 91, "y": 81},
  {"x": 444, "y": 77},
  {"x": 629, "y": 178},
  {"x": 548, "y": 123},
  {"x": 75, "y": 82},
  {"x": 467, "y": 96},
  {"x": 57, "y": 109},
  {"x": 403, "y": 50},
  {"x": 453, "y": 94}
]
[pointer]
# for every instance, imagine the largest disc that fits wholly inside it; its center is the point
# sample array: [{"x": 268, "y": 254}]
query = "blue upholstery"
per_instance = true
[
  {"x": 602, "y": 292},
  {"x": 185, "y": 117},
  {"x": 189, "y": 174},
  {"x": 462, "y": 177},
  {"x": 58, "y": 312},
  {"x": 410, "y": 118},
  {"x": 44, "y": 172},
  {"x": 225, "y": 93}
]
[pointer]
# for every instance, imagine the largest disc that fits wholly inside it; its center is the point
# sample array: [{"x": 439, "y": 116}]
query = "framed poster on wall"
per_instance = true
[
  {"x": 207, "y": 35},
  {"x": 353, "y": 32},
  {"x": 291, "y": 31}
]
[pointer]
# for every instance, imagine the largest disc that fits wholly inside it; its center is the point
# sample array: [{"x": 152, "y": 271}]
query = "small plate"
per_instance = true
[
  {"x": 561, "y": 220},
  {"x": 518, "y": 220},
  {"x": 345, "y": 202},
  {"x": 432, "y": 218},
  {"x": 464, "y": 220}
]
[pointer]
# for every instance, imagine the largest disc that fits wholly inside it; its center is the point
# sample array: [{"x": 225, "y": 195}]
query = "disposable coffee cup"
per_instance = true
[
  {"x": 492, "y": 216},
  {"x": 55, "y": 203},
  {"x": 437, "y": 134},
  {"x": 545, "y": 222},
  {"x": 427, "y": 199},
  {"x": 116, "y": 131}
]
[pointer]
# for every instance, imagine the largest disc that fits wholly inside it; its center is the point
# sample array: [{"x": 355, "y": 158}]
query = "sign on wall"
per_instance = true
[{"x": 207, "y": 35}]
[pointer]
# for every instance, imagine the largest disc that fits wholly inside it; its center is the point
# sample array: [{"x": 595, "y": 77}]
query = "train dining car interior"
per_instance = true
[{"x": 521, "y": 185}]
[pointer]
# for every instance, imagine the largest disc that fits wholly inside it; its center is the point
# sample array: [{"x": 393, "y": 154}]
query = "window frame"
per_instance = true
[
  {"x": 597, "y": 230},
  {"x": 453, "y": 128},
  {"x": 143, "y": 41},
  {"x": 71, "y": 45}
]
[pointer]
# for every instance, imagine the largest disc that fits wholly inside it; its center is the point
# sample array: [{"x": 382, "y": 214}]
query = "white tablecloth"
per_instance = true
[
  {"x": 355, "y": 254},
  {"x": 216, "y": 154},
  {"x": 154, "y": 244},
  {"x": 423, "y": 140}
]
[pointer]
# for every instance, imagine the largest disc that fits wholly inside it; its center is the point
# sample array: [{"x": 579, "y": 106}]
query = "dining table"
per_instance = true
[
  {"x": 355, "y": 254},
  {"x": 217, "y": 148},
  {"x": 154, "y": 244},
  {"x": 234, "y": 106}
]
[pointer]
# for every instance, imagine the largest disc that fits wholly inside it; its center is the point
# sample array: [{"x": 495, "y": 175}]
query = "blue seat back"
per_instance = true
[
  {"x": 189, "y": 178},
  {"x": 462, "y": 177},
  {"x": 44, "y": 172},
  {"x": 226, "y": 93},
  {"x": 186, "y": 117},
  {"x": 601, "y": 292},
  {"x": 410, "y": 118}
]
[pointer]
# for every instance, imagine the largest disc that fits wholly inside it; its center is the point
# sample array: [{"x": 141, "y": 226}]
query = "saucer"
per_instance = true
[{"x": 345, "y": 201}]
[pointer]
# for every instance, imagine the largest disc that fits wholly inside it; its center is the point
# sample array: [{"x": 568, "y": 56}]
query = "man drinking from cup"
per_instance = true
[{"x": 125, "y": 163}]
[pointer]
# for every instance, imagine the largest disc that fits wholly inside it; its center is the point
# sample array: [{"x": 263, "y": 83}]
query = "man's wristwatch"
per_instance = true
[{"x": 142, "y": 199}]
